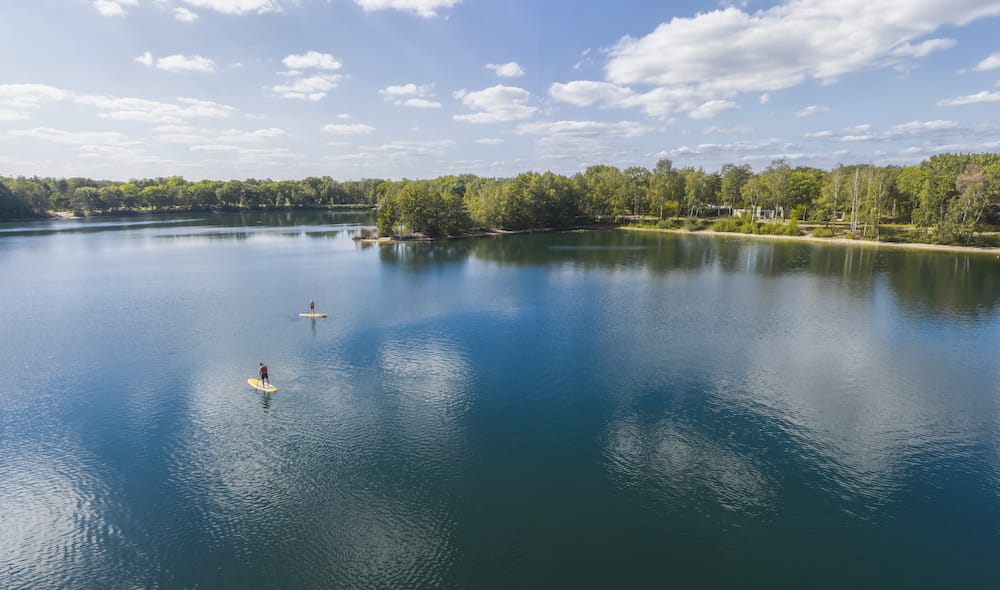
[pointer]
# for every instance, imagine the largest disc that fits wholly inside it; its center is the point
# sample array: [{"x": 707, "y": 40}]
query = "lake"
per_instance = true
[{"x": 562, "y": 410}]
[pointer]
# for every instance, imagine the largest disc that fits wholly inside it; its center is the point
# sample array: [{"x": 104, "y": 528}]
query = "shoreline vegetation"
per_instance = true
[{"x": 946, "y": 200}]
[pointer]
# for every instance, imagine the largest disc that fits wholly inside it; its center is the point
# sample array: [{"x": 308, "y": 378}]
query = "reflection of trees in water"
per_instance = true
[
  {"x": 959, "y": 284},
  {"x": 419, "y": 256},
  {"x": 938, "y": 282},
  {"x": 290, "y": 218}
]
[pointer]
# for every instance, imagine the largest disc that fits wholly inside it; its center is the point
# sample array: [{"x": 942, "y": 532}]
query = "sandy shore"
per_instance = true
[{"x": 832, "y": 241}]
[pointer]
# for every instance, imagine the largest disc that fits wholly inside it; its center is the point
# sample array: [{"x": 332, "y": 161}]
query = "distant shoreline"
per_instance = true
[{"x": 830, "y": 241}]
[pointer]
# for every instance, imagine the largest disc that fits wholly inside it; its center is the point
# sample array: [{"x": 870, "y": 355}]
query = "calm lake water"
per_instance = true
[{"x": 569, "y": 410}]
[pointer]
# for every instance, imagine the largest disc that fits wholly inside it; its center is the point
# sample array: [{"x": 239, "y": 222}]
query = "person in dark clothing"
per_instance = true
[{"x": 263, "y": 375}]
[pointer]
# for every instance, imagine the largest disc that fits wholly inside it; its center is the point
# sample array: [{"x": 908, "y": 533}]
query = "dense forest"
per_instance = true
[{"x": 947, "y": 198}]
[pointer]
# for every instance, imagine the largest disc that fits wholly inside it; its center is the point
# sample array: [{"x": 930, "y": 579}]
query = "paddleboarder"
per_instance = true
[
  {"x": 263, "y": 376},
  {"x": 312, "y": 307}
]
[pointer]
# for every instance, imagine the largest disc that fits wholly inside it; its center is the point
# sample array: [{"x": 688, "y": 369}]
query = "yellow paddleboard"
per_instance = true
[
  {"x": 312, "y": 315},
  {"x": 256, "y": 384}
]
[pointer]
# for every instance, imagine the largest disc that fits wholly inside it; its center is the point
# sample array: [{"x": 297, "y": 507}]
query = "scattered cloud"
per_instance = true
[
  {"x": 245, "y": 153},
  {"x": 497, "y": 104},
  {"x": 190, "y": 135},
  {"x": 765, "y": 98},
  {"x": 151, "y": 111},
  {"x": 584, "y": 93},
  {"x": 9, "y": 115},
  {"x": 314, "y": 86},
  {"x": 508, "y": 70},
  {"x": 237, "y": 6},
  {"x": 411, "y": 95},
  {"x": 312, "y": 60},
  {"x": 178, "y": 63},
  {"x": 348, "y": 128},
  {"x": 309, "y": 88},
  {"x": 421, "y": 103},
  {"x": 725, "y": 52},
  {"x": 585, "y": 129},
  {"x": 397, "y": 155},
  {"x": 113, "y": 7},
  {"x": 811, "y": 110},
  {"x": 424, "y": 8},
  {"x": 489, "y": 141},
  {"x": 979, "y": 97},
  {"x": 29, "y": 96},
  {"x": 711, "y": 108},
  {"x": 735, "y": 129},
  {"x": 658, "y": 102},
  {"x": 72, "y": 137},
  {"x": 252, "y": 136},
  {"x": 184, "y": 15},
  {"x": 923, "y": 49},
  {"x": 867, "y": 133},
  {"x": 990, "y": 63}
]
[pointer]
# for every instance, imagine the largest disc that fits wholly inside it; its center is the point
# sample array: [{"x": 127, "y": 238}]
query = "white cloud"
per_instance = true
[
  {"x": 424, "y": 8},
  {"x": 397, "y": 155},
  {"x": 508, "y": 70},
  {"x": 584, "y": 93},
  {"x": 348, "y": 128},
  {"x": 251, "y": 154},
  {"x": 990, "y": 63},
  {"x": 657, "y": 102},
  {"x": 711, "y": 108},
  {"x": 863, "y": 133},
  {"x": 765, "y": 98},
  {"x": 8, "y": 115},
  {"x": 496, "y": 105},
  {"x": 237, "y": 6},
  {"x": 29, "y": 96},
  {"x": 180, "y": 63},
  {"x": 923, "y": 49},
  {"x": 182, "y": 138},
  {"x": 410, "y": 95},
  {"x": 138, "y": 109},
  {"x": 421, "y": 103},
  {"x": 979, "y": 97},
  {"x": 187, "y": 134},
  {"x": 113, "y": 7},
  {"x": 312, "y": 88},
  {"x": 916, "y": 127},
  {"x": 252, "y": 136},
  {"x": 146, "y": 59},
  {"x": 811, "y": 110},
  {"x": 731, "y": 130},
  {"x": 312, "y": 60},
  {"x": 726, "y": 51},
  {"x": 404, "y": 90},
  {"x": 595, "y": 129},
  {"x": 184, "y": 15},
  {"x": 489, "y": 141},
  {"x": 72, "y": 137}
]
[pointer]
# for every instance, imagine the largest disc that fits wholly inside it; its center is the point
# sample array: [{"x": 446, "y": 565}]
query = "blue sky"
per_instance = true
[{"x": 285, "y": 89}]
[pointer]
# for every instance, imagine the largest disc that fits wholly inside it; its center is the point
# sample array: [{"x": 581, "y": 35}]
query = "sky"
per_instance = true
[{"x": 284, "y": 89}]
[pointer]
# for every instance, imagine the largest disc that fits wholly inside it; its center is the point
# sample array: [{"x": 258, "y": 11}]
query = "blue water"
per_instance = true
[{"x": 581, "y": 409}]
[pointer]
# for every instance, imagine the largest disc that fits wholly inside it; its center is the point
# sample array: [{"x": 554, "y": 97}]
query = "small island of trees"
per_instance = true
[{"x": 948, "y": 199}]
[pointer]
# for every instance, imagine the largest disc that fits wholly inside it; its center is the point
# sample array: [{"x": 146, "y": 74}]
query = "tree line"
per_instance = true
[
  {"x": 24, "y": 197},
  {"x": 951, "y": 196}
]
